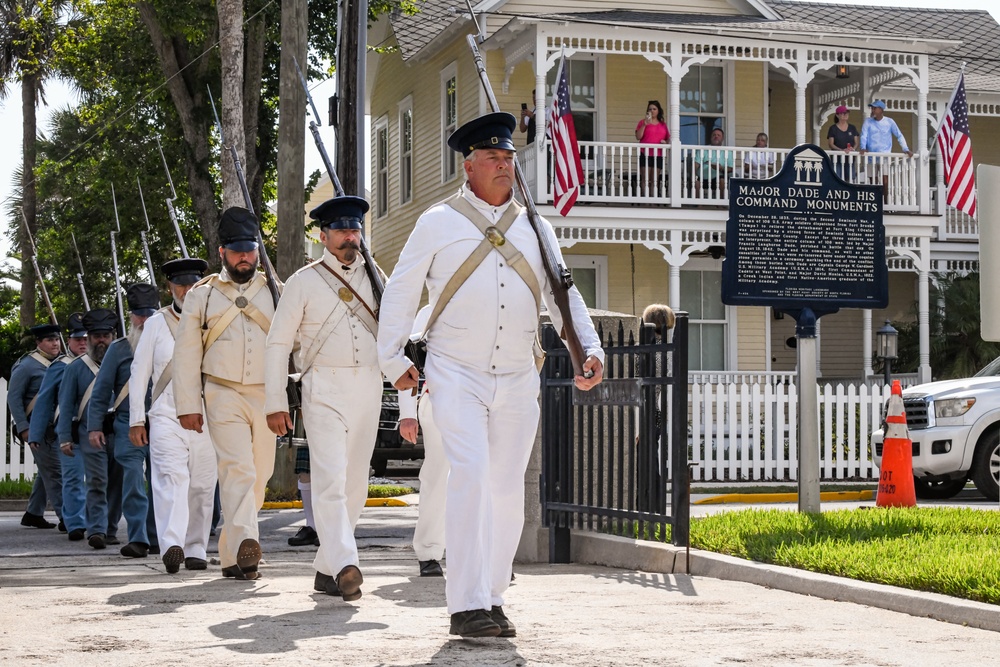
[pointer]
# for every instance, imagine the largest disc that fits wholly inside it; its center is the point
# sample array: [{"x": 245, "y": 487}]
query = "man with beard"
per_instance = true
[
  {"x": 25, "y": 381},
  {"x": 328, "y": 307},
  {"x": 479, "y": 257},
  {"x": 110, "y": 403},
  {"x": 182, "y": 461},
  {"x": 75, "y": 392},
  {"x": 220, "y": 343},
  {"x": 43, "y": 429}
]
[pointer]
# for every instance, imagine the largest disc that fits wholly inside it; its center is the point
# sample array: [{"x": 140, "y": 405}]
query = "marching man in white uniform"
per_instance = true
[
  {"x": 182, "y": 462},
  {"x": 220, "y": 344},
  {"x": 415, "y": 412},
  {"x": 480, "y": 364},
  {"x": 329, "y": 308}
]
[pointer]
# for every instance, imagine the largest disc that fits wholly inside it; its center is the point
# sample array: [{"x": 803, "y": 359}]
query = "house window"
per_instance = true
[
  {"x": 590, "y": 275},
  {"x": 449, "y": 121},
  {"x": 581, "y": 75},
  {"x": 702, "y": 103},
  {"x": 701, "y": 297},
  {"x": 381, "y": 167},
  {"x": 406, "y": 150}
]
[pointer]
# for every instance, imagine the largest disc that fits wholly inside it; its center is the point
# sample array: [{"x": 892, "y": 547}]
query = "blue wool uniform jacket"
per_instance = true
[
  {"x": 25, "y": 381},
  {"x": 48, "y": 395},
  {"x": 116, "y": 369},
  {"x": 74, "y": 385}
]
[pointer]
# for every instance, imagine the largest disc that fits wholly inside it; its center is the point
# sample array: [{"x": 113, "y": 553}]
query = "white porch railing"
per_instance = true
[
  {"x": 744, "y": 432},
  {"x": 625, "y": 173},
  {"x": 959, "y": 226}
]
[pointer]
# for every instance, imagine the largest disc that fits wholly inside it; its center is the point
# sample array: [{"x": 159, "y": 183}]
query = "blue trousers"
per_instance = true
[
  {"x": 133, "y": 462},
  {"x": 104, "y": 489},
  {"x": 74, "y": 490},
  {"x": 47, "y": 488}
]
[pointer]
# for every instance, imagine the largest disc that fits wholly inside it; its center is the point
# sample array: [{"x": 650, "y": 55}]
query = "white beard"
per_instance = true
[{"x": 133, "y": 337}]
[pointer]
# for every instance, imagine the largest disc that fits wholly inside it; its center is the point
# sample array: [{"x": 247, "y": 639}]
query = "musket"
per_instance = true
[
  {"x": 272, "y": 281},
  {"x": 79, "y": 276},
  {"x": 38, "y": 275},
  {"x": 559, "y": 276},
  {"x": 114, "y": 258},
  {"x": 170, "y": 202},
  {"x": 143, "y": 235}
]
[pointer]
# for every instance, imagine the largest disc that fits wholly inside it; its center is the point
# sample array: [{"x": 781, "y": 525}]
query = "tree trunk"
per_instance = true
[
  {"x": 231, "y": 56},
  {"x": 291, "y": 139},
  {"x": 253, "y": 73},
  {"x": 347, "y": 85},
  {"x": 29, "y": 96}
]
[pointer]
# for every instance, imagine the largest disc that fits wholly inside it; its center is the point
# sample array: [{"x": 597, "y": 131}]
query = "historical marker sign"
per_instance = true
[{"x": 805, "y": 239}]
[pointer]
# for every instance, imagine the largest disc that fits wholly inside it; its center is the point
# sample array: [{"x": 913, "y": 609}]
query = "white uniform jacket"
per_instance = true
[
  {"x": 237, "y": 357},
  {"x": 307, "y": 301},
  {"x": 491, "y": 322},
  {"x": 152, "y": 354}
]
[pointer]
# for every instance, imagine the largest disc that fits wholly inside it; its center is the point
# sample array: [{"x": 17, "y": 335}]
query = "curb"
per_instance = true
[
  {"x": 748, "y": 498},
  {"x": 371, "y": 502}
]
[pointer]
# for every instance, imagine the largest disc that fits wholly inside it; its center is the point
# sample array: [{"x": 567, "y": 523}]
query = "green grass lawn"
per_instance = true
[
  {"x": 13, "y": 489},
  {"x": 953, "y": 551}
]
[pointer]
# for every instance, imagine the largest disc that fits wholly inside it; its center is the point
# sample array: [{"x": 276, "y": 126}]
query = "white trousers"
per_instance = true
[
  {"x": 183, "y": 479},
  {"x": 488, "y": 424},
  {"x": 429, "y": 536},
  {"x": 244, "y": 449},
  {"x": 341, "y": 408}
]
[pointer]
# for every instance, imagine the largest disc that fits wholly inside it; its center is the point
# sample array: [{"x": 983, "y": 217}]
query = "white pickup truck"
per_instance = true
[{"x": 955, "y": 429}]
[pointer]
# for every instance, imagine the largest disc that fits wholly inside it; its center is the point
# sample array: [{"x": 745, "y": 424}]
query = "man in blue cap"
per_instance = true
[
  {"x": 42, "y": 429},
  {"x": 182, "y": 462},
  {"x": 220, "y": 345},
  {"x": 110, "y": 402},
  {"x": 22, "y": 392},
  {"x": 479, "y": 257},
  {"x": 75, "y": 394},
  {"x": 876, "y": 137},
  {"x": 329, "y": 309}
]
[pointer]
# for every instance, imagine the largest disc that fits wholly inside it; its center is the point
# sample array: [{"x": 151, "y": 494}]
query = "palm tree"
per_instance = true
[{"x": 28, "y": 30}]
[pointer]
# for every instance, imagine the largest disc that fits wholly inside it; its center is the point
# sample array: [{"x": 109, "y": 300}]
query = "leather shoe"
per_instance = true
[
  {"x": 306, "y": 535},
  {"x": 474, "y": 623},
  {"x": 195, "y": 564},
  {"x": 135, "y": 550},
  {"x": 35, "y": 521},
  {"x": 172, "y": 559},
  {"x": 112, "y": 539},
  {"x": 248, "y": 556},
  {"x": 349, "y": 583},
  {"x": 234, "y": 572},
  {"x": 97, "y": 541},
  {"x": 154, "y": 549},
  {"x": 62, "y": 526},
  {"x": 77, "y": 534},
  {"x": 430, "y": 568},
  {"x": 507, "y": 628},
  {"x": 325, "y": 583}
]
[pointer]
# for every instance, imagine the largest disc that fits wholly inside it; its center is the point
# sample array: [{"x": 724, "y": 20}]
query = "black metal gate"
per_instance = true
[{"x": 609, "y": 455}]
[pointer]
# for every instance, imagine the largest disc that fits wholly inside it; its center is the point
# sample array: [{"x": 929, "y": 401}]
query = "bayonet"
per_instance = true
[
  {"x": 38, "y": 276},
  {"x": 114, "y": 258},
  {"x": 144, "y": 235},
  {"x": 79, "y": 276},
  {"x": 170, "y": 202}
]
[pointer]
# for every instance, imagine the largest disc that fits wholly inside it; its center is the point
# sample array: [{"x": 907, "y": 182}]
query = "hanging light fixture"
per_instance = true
[{"x": 843, "y": 72}]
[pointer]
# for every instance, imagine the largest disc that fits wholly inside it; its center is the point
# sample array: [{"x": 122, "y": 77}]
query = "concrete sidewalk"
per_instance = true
[{"x": 65, "y": 604}]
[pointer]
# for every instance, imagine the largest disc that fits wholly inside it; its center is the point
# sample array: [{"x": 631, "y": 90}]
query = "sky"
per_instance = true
[{"x": 60, "y": 96}]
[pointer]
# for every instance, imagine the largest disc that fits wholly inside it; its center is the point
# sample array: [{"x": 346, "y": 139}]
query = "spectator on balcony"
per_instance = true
[
  {"x": 652, "y": 129},
  {"x": 527, "y": 123},
  {"x": 842, "y": 136},
  {"x": 876, "y": 136},
  {"x": 759, "y": 164},
  {"x": 716, "y": 165}
]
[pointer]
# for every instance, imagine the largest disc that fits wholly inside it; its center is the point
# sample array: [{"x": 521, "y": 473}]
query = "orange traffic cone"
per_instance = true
[{"x": 895, "y": 484}]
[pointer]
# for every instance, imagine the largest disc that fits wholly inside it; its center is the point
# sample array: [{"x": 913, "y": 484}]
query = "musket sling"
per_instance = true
[
  {"x": 252, "y": 311},
  {"x": 168, "y": 371},
  {"x": 92, "y": 365},
  {"x": 34, "y": 399}
]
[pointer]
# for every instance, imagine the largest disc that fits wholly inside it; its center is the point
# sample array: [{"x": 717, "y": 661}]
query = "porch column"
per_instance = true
[
  {"x": 942, "y": 195},
  {"x": 923, "y": 316},
  {"x": 541, "y": 145},
  {"x": 674, "y": 174},
  {"x": 674, "y": 287},
  {"x": 866, "y": 343},
  {"x": 800, "y": 113},
  {"x": 924, "y": 157}
]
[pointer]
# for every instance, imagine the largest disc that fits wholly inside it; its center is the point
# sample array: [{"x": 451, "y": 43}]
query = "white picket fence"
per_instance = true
[
  {"x": 738, "y": 431},
  {"x": 748, "y": 431}
]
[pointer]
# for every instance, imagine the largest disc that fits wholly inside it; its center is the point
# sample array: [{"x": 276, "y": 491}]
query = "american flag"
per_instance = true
[
  {"x": 955, "y": 145},
  {"x": 562, "y": 133}
]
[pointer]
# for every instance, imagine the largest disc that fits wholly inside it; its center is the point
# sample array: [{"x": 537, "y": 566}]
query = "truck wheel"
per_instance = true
[
  {"x": 986, "y": 466},
  {"x": 938, "y": 489}
]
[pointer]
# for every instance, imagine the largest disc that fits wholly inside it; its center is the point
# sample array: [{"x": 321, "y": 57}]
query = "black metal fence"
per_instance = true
[{"x": 610, "y": 454}]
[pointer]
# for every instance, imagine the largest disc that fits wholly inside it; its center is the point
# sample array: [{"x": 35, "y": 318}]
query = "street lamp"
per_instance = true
[{"x": 885, "y": 346}]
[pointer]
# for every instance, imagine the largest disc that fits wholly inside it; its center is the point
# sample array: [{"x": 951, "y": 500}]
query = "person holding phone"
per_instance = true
[
  {"x": 652, "y": 129},
  {"x": 528, "y": 121}
]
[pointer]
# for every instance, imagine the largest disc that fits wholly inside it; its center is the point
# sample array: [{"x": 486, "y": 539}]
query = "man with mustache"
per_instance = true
[
  {"x": 75, "y": 392},
  {"x": 220, "y": 344},
  {"x": 43, "y": 428},
  {"x": 110, "y": 403},
  {"x": 182, "y": 462},
  {"x": 329, "y": 308},
  {"x": 480, "y": 366}
]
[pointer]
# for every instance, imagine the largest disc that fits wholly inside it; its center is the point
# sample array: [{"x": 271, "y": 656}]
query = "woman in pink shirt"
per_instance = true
[{"x": 651, "y": 130}]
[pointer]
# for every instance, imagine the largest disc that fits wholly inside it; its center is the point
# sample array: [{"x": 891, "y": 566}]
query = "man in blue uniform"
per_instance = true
[
  {"x": 42, "y": 429},
  {"x": 25, "y": 381},
  {"x": 71, "y": 428},
  {"x": 111, "y": 389}
]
